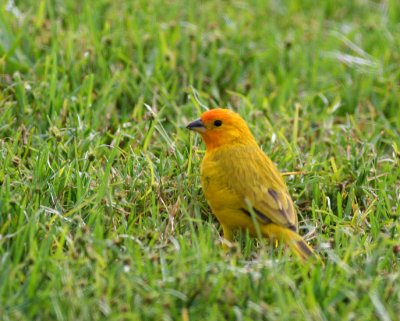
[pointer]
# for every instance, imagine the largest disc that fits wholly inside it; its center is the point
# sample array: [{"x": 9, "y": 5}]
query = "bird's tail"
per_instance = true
[
  {"x": 295, "y": 242},
  {"x": 301, "y": 248}
]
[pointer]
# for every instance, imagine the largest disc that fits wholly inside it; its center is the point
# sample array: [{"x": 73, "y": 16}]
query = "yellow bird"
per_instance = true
[{"x": 242, "y": 185}]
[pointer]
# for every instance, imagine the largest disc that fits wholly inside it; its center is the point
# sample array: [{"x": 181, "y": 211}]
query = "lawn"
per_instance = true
[{"x": 102, "y": 216}]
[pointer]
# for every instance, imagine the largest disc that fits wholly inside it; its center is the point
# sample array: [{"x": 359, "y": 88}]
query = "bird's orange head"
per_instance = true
[{"x": 219, "y": 127}]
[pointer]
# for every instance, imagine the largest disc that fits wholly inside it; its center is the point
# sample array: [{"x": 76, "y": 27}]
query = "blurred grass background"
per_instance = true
[{"x": 102, "y": 214}]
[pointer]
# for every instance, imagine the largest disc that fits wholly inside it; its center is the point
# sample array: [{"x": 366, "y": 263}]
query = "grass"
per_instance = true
[{"x": 102, "y": 213}]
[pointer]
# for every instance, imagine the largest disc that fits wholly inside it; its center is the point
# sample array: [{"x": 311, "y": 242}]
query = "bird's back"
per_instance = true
[{"x": 240, "y": 176}]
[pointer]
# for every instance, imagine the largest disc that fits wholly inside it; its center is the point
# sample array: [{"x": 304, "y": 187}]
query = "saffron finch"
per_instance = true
[{"x": 241, "y": 183}]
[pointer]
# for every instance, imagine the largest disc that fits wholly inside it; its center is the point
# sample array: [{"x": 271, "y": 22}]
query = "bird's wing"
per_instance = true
[{"x": 257, "y": 181}]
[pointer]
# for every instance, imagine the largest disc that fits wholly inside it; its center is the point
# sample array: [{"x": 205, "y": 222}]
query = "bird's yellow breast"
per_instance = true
[
  {"x": 215, "y": 187},
  {"x": 224, "y": 202}
]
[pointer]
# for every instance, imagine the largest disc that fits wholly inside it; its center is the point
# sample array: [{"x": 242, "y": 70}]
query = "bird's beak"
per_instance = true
[{"x": 197, "y": 126}]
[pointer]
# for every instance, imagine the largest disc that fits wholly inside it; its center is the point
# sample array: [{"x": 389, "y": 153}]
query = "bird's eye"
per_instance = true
[{"x": 218, "y": 123}]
